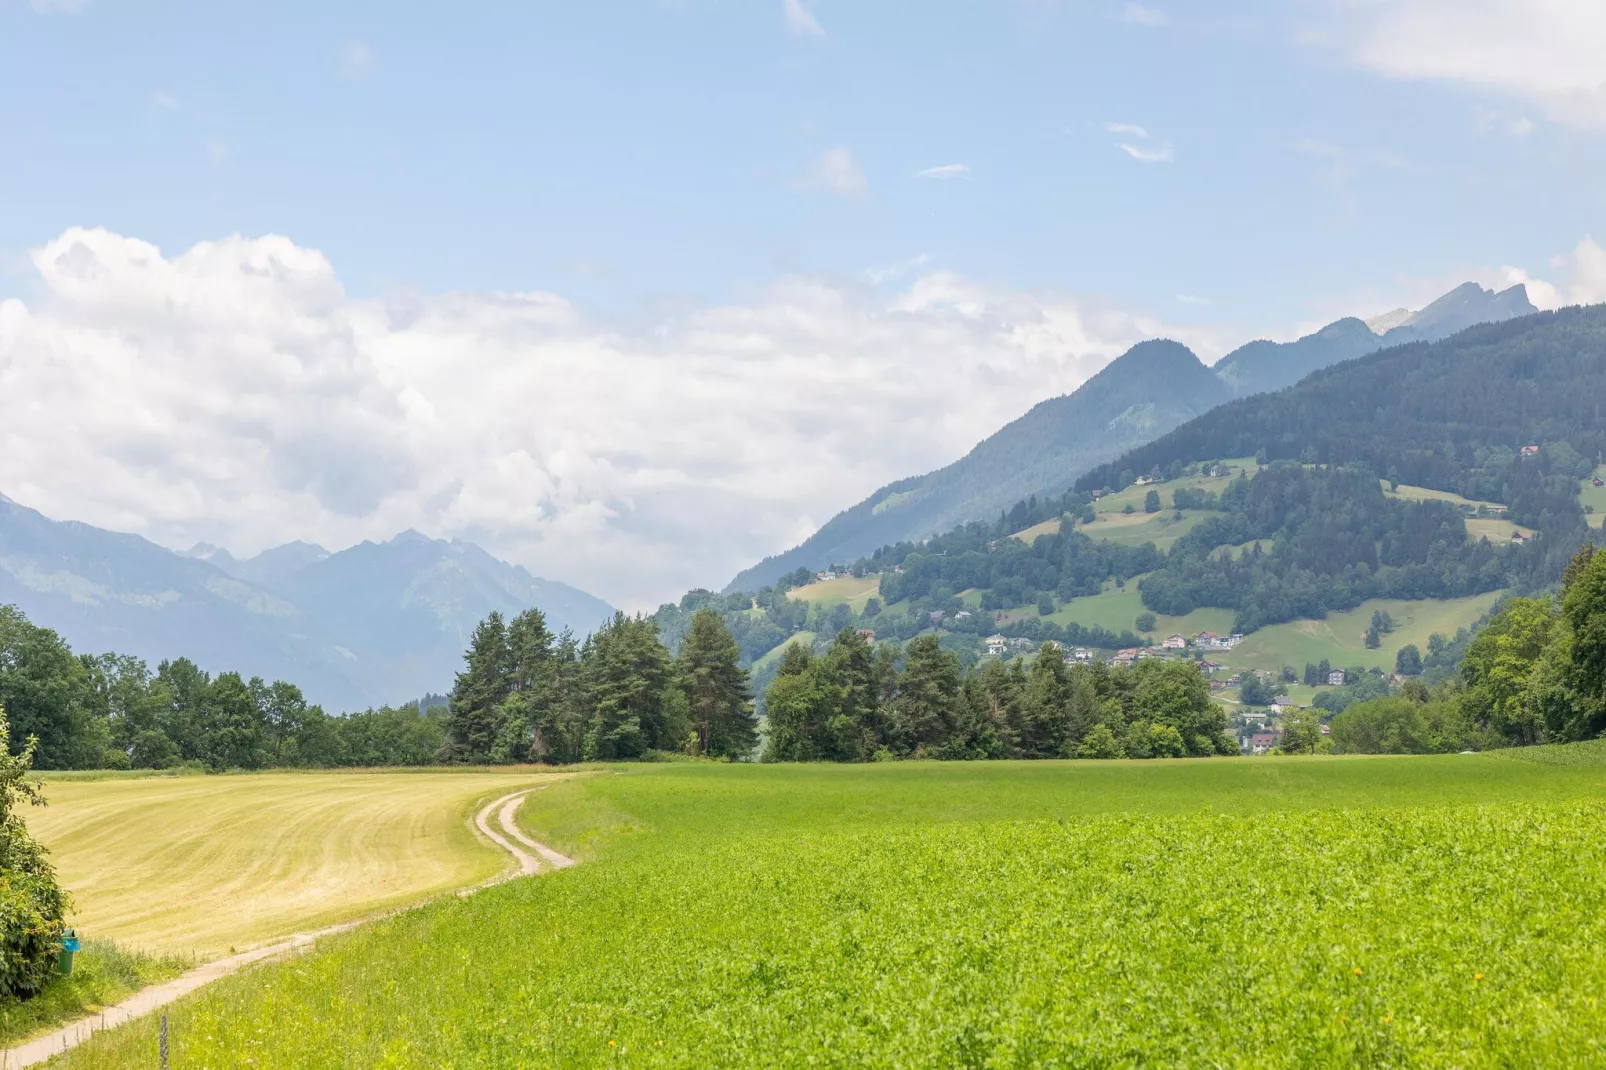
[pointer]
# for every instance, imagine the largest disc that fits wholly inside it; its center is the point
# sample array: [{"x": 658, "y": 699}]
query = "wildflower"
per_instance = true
[
  {"x": 1356, "y": 971},
  {"x": 1477, "y": 977},
  {"x": 610, "y": 1043},
  {"x": 1387, "y": 1018}
]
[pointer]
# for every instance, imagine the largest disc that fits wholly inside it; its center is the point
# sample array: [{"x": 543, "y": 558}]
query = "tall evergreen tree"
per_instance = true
[
  {"x": 715, "y": 685},
  {"x": 475, "y": 725},
  {"x": 626, "y": 673},
  {"x": 928, "y": 690}
]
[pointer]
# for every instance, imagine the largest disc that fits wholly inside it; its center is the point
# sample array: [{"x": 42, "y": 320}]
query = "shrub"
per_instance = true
[{"x": 32, "y": 904}]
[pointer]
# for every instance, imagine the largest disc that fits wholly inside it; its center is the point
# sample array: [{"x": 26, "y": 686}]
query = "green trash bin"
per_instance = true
[{"x": 69, "y": 946}]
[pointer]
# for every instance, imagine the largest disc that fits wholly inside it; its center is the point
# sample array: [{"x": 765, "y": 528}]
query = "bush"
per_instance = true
[
  {"x": 1100, "y": 742},
  {"x": 32, "y": 904}
]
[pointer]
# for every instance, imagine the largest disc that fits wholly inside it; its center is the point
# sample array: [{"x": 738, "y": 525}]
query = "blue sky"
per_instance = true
[
  {"x": 626, "y": 152},
  {"x": 636, "y": 292}
]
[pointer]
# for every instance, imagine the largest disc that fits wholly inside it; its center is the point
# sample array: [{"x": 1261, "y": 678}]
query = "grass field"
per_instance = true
[
  {"x": 853, "y": 590},
  {"x": 1341, "y": 637},
  {"x": 1117, "y": 609},
  {"x": 1435, "y": 911},
  {"x": 765, "y": 660},
  {"x": 203, "y": 864},
  {"x": 1591, "y": 495}
]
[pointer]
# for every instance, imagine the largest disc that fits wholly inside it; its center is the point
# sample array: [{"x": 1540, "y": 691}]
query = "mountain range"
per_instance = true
[
  {"x": 1148, "y": 391},
  {"x": 375, "y": 623}
]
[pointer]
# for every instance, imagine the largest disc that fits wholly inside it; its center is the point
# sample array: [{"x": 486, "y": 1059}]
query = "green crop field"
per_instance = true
[
  {"x": 1116, "y": 608},
  {"x": 1433, "y": 911},
  {"x": 203, "y": 864}
]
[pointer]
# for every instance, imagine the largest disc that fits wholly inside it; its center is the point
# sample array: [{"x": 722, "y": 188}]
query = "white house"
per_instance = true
[
  {"x": 1336, "y": 677},
  {"x": 1175, "y": 642},
  {"x": 996, "y": 645}
]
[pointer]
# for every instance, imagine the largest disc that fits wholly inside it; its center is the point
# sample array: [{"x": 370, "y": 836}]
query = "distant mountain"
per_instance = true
[
  {"x": 1260, "y": 366},
  {"x": 379, "y": 622},
  {"x": 1140, "y": 395}
]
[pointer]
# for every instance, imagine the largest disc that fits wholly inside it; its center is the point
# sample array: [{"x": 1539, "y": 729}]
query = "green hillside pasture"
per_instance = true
[
  {"x": 1591, "y": 495},
  {"x": 1433, "y": 911},
  {"x": 1036, "y": 531},
  {"x": 1341, "y": 637},
  {"x": 1117, "y": 609},
  {"x": 763, "y": 662},
  {"x": 1134, "y": 495},
  {"x": 855, "y": 591},
  {"x": 1135, "y": 529},
  {"x": 1495, "y": 529}
]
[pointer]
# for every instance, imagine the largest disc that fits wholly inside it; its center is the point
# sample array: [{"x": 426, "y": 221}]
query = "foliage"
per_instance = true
[
  {"x": 103, "y": 973},
  {"x": 32, "y": 904},
  {"x": 850, "y": 706}
]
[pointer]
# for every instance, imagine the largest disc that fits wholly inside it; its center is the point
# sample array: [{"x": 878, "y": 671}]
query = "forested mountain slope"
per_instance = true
[
  {"x": 1150, "y": 389},
  {"x": 1506, "y": 412},
  {"x": 1146, "y": 392}
]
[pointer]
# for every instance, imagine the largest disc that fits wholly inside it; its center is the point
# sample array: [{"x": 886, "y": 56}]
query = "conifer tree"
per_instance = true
[
  {"x": 475, "y": 724},
  {"x": 715, "y": 685}
]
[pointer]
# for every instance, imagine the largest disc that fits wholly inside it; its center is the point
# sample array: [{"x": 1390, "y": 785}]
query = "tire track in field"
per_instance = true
[{"x": 510, "y": 838}]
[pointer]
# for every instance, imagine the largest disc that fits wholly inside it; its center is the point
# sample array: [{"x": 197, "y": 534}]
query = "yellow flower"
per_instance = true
[
  {"x": 1343, "y": 1017},
  {"x": 1387, "y": 1018},
  {"x": 610, "y": 1043},
  {"x": 1477, "y": 977},
  {"x": 1356, "y": 971}
]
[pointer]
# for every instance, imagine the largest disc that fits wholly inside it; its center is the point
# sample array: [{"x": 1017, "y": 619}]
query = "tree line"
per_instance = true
[
  {"x": 111, "y": 711},
  {"x": 858, "y": 703}
]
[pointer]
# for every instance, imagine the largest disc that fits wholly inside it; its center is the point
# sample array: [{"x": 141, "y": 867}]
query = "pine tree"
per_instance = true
[
  {"x": 475, "y": 724},
  {"x": 530, "y": 724},
  {"x": 626, "y": 673},
  {"x": 715, "y": 685}
]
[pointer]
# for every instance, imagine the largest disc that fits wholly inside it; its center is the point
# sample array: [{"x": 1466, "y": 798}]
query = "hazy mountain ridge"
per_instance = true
[
  {"x": 1153, "y": 388},
  {"x": 379, "y": 622}
]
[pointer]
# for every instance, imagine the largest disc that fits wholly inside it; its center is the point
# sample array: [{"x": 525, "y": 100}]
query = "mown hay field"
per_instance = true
[
  {"x": 1438, "y": 911},
  {"x": 203, "y": 864}
]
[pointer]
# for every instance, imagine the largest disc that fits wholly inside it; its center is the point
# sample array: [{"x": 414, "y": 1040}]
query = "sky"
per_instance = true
[{"x": 635, "y": 293}]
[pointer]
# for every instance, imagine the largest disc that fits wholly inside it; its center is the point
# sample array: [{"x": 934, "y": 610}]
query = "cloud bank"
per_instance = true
[{"x": 235, "y": 393}]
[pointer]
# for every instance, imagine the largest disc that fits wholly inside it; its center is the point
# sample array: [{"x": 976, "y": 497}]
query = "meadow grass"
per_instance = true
[
  {"x": 103, "y": 973},
  {"x": 200, "y": 865},
  {"x": 1437, "y": 911}
]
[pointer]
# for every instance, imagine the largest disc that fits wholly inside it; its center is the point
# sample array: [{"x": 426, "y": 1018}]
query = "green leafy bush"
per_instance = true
[{"x": 32, "y": 904}]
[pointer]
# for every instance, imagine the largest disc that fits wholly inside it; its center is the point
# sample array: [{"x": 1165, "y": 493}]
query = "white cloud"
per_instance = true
[
  {"x": 356, "y": 61},
  {"x": 1138, "y": 15},
  {"x": 1580, "y": 278},
  {"x": 1492, "y": 119},
  {"x": 1545, "y": 51},
  {"x": 878, "y": 275},
  {"x": 1147, "y": 153},
  {"x": 1194, "y": 299},
  {"x": 234, "y": 393},
  {"x": 836, "y": 172},
  {"x": 1126, "y": 129},
  {"x": 800, "y": 20},
  {"x": 947, "y": 170}
]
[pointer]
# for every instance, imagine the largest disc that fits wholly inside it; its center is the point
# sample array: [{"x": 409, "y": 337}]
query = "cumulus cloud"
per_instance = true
[
  {"x": 836, "y": 172},
  {"x": 800, "y": 20},
  {"x": 234, "y": 393},
  {"x": 947, "y": 170},
  {"x": 1545, "y": 51},
  {"x": 1577, "y": 278}
]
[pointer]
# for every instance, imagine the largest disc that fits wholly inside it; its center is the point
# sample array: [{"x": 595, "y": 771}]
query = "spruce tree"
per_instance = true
[
  {"x": 475, "y": 723},
  {"x": 928, "y": 692},
  {"x": 715, "y": 685}
]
